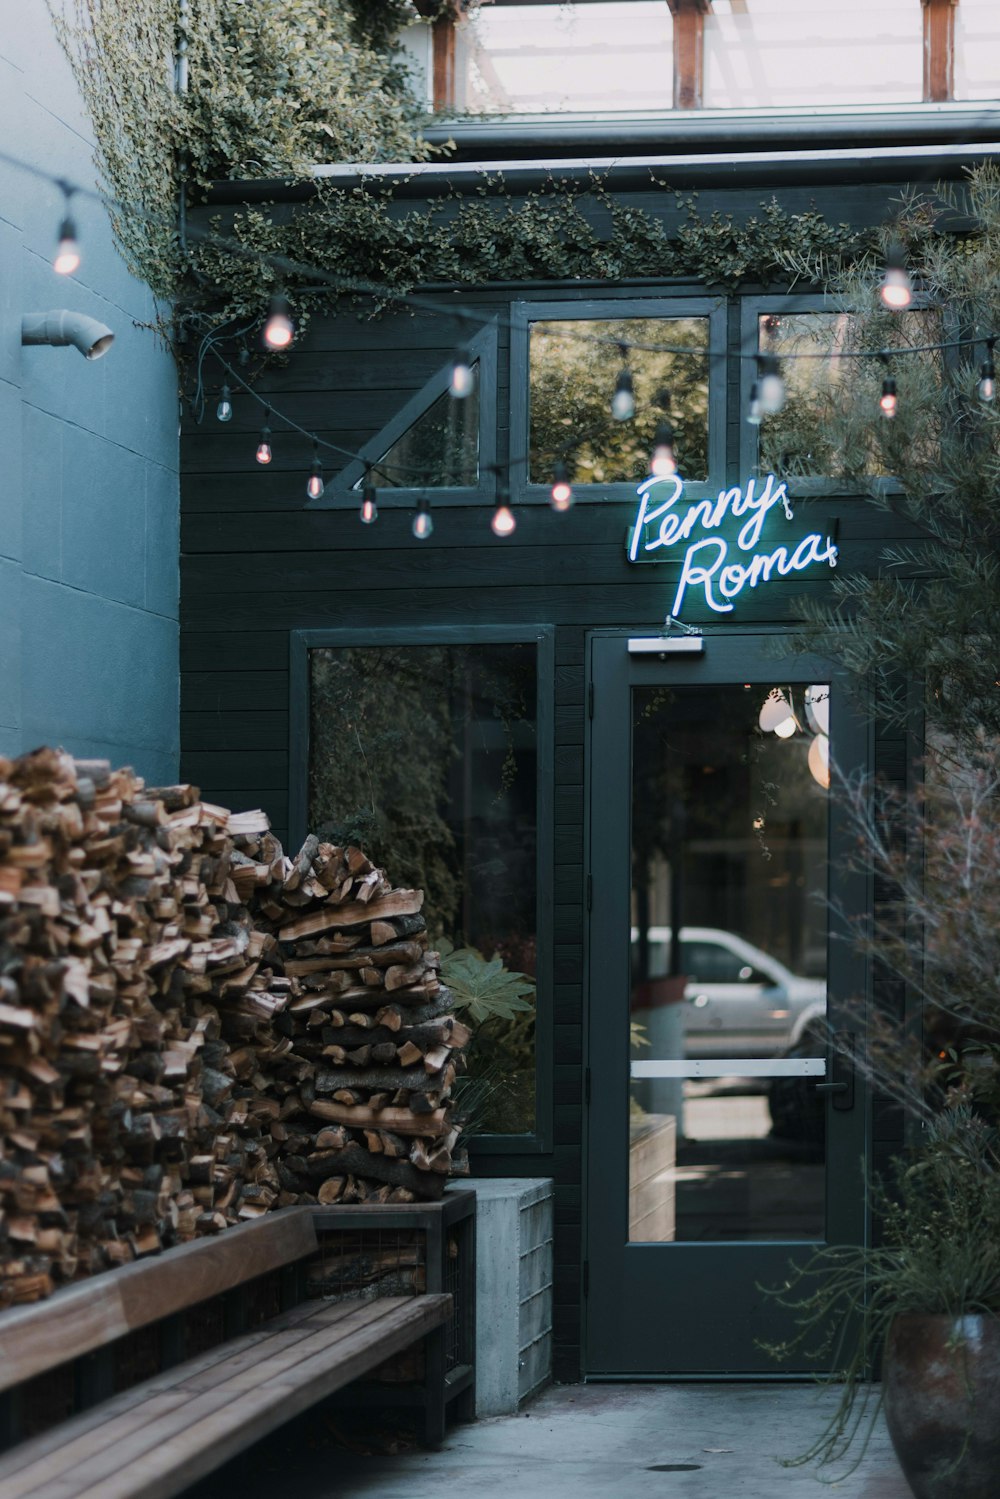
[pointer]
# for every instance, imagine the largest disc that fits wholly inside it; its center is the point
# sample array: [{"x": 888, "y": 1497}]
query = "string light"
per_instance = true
[
  {"x": 67, "y": 256},
  {"x": 771, "y": 394},
  {"x": 279, "y": 330},
  {"x": 264, "y": 446},
  {"x": 503, "y": 522},
  {"x": 561, "y": 497},
  {"x": 888, "y": 401},
  {"x": 664, "y": 461},
  {"x": 423, "y": 525},
  {"x": 896, "y": 290},
  {"x": 623, "y": 400},
  {"x": 224, "y": 410},
  {"x": 369, "y": 505},
  {"x": 462, "y": 380},
  {"x": 754, "y": 413},
  {"x": 315, "y": 486},
  {"x": 988, "y": 375}
]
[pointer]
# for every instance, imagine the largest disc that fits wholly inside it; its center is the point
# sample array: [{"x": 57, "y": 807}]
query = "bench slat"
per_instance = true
[
  {"x": 229, "y": 1402},
  {"x": 223, "y": 1434},
  {"x": 155, "y": 1449},
  {"x": 97, "y": 1311},
  {"x": 55, "y": 1439}
]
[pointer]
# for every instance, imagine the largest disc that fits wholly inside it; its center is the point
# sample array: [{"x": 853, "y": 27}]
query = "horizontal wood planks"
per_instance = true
[
  {"x": 257, "y": 564},
  {"x": 95, "y": 1312},
  {"x": 155, "y": 1440}
]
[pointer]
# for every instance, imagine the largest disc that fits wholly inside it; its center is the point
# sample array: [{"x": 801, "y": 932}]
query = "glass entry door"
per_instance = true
[{"x": 725, "y": 1133}]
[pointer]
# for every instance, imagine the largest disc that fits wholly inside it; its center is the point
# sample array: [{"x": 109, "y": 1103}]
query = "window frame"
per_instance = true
[
  {"x": 482, "y": 348},
  {"x": 752, "y": 307},
  {"x": 668, "y": 305},
  {"x": 301, "y": 642}
]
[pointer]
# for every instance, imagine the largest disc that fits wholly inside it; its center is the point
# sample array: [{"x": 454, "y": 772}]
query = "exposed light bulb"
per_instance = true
[
  {"x": 422, "y": 523},
  {"x": 561, "y": 497},
  {"x": 503, "y": 522},
  {"x": 279, "y": 330},
  {"x": 315, "y": 486},
  {"x": 987, "y": 388},
  {"x": 786, "y": 728},
  {"x": 888, "y": 401},
  {"x": 623, "y": 400},
  {"x": 224, "y": 410},
  {"x": 896, "y": 290},
  {"x": 264, "y": 454},
  {"x": 664, "y": 460},
  {"x": 369, "y": 506},
  {"x": 772, "y": 386},
  {"x": 754, "y": 412},
  {"x": 67, "y": 256},
  {"x": 462, "y": 379}
]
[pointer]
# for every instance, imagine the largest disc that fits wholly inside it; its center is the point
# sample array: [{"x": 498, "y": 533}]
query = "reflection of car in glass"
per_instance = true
[{"x": 738, "y": 1000}]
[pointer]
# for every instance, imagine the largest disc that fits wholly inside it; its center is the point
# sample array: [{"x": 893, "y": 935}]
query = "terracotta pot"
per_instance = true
[{"x": 941, "y": 1387}]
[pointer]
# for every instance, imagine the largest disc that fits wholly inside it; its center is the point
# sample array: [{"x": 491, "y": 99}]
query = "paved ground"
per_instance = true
[{"x": 583, "y": 1442}]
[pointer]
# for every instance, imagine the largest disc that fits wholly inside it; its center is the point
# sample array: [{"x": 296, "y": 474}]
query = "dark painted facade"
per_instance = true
[{"x": 257, "y": 565}]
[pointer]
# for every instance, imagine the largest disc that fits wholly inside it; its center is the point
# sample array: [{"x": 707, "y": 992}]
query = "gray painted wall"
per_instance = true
[{"x": 88, "y": 453}]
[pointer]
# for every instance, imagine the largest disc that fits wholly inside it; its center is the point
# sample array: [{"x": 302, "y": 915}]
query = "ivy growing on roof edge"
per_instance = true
[{"x": 274, "y": 87}]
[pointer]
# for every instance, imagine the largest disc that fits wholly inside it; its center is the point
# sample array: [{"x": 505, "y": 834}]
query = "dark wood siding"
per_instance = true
[{"x": 257, "y": 565}]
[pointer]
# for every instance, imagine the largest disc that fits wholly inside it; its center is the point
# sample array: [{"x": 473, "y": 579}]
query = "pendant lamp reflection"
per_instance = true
[
  {"x": 819, "y": 760},
  {"x": 777, "y": 715},
  {"x": 817, "y": 700}
]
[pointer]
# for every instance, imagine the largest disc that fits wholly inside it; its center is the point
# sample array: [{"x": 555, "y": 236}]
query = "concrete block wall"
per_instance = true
[
  {"x": 88, "y": 452},
  {"x": 514, "y": 1270}
]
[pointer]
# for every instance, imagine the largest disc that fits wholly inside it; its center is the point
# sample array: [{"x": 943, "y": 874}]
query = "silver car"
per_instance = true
[{"x": 738, "y": 1000}]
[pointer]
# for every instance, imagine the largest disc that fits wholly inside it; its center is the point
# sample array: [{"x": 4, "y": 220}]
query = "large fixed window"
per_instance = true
[
  {"x": 809, "y": 338},
  {"x": 566, "y": 360},
  {"x": 430, "y": 757}
]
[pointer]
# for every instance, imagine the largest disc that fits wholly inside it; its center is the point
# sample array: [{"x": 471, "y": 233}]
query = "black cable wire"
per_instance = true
[{"x": 419, "y": 301}]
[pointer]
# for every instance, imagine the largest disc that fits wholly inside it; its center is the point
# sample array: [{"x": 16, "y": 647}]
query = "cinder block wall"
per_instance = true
[{"x": 88, "y": 453}]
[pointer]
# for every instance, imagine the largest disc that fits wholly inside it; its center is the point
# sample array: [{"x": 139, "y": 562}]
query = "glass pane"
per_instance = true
[
  {"x": 574, "y": 367},
  {"x": 440, "y": 450},
  {"x": 813, "y": 52},
  {"x": 796, "y": 441},
  {"x": 727, "y": 1023},
  {"x": 540, "y": 58},
  {"x": 977, "y": 49},
  {"x": 426, "y": 757}
]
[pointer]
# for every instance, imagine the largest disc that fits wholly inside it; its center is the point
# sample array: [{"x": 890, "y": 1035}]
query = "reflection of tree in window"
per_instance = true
[
  {"x": 807, "y": 437},
  {"x": 426, "y": 756},
  {"x": 571, "y": 384},
  {"x": 698, "y": 761},
  {"x": 440, "y": 449}
]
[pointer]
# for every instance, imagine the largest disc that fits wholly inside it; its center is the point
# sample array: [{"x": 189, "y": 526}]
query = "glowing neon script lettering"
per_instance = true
[{"x": 709, "y": 562}]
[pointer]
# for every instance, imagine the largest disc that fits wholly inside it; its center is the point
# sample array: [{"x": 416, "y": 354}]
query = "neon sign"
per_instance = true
[{"x": 721, "y": 568}]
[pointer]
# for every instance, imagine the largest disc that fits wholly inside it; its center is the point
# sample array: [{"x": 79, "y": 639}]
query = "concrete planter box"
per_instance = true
[{"x": 514, "y": 1229}]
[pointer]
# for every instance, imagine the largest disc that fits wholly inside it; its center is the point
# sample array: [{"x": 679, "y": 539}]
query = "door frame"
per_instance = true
[{"x": 722, "y": 656}]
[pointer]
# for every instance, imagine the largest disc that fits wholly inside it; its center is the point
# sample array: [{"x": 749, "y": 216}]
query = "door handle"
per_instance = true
[{"x": 840, "y": 1065}]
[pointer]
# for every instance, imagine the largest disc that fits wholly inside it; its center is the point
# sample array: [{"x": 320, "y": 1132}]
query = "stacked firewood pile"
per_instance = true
[{"x": 194, "y": 1028}]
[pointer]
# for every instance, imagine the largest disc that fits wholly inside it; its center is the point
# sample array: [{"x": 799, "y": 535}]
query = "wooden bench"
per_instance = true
[{"x": 159, "y": 1436}]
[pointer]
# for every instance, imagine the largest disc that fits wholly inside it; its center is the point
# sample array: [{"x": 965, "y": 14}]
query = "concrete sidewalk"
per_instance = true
[{"x": 588, "y": 1442}]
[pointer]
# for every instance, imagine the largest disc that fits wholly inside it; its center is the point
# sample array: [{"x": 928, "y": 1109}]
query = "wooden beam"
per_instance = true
[
  {"x": 939, "y": 50},
  {"x": 689, "y": 51},
  {"x": 443, "y": 54}
]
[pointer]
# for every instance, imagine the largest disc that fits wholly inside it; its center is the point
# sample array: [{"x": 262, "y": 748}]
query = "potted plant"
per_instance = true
[{"x": 923, "y": 1302}]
